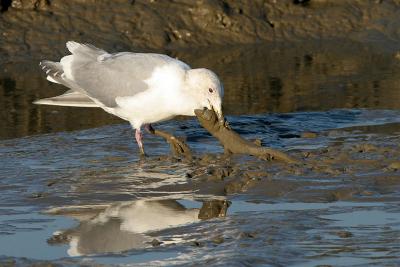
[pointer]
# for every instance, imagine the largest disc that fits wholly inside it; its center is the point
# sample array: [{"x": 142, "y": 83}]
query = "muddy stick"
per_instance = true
[
  {"x": 178, "y": 147},
  {"x": 233, "y": 142}
]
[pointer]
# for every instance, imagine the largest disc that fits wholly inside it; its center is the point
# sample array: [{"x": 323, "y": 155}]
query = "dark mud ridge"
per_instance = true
[{"x": 41, "y": 27}]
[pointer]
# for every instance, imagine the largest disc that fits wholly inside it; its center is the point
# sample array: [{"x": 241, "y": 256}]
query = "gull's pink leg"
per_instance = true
[
  {"x": 149, "y": 128},
  {"x": 139, "y": 137}
]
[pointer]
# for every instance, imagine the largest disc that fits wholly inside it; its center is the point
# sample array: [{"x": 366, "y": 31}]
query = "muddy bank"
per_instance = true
[{"x": 36, "y": 27}]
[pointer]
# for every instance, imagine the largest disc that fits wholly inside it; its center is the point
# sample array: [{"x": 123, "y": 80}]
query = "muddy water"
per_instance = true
[{"x": 84, "y": 197}]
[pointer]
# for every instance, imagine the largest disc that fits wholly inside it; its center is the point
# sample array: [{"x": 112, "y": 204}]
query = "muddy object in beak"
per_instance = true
[
  {"x": 205, "y": 113},
  {"x": 218, "y": 112},
  {"x": 232, "y": 142}
]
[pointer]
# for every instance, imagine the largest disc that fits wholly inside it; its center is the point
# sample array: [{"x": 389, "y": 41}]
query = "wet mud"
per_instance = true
[
  {"x": 41, "y": 27},
  {"x": 84, "y": 197}
]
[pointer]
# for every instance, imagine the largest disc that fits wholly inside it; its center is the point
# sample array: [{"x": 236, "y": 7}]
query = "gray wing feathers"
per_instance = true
[
  {"x": 101, "y": 77},
  {"x": 87, "y": 50},
  {"x": 117, "y": 75},
  {"x": 70, "y": 98}
]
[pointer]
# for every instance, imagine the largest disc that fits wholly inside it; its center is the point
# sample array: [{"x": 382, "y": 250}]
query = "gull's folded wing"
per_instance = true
[
  {"x": 101, "y": 76},
  {"x": 70, "y": 98}
]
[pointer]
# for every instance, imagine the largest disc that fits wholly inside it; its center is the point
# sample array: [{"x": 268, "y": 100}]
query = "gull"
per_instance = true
[{"x": 141, "y": 88}]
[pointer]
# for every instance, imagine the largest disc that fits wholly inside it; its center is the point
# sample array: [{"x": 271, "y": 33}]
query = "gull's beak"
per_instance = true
[
  {"x": 218, "y": 110},
  {"x": 220, "y": 115}
]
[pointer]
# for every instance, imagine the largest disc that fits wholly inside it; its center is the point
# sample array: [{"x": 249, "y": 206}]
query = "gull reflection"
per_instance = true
[{"x": 129, "y": 225}]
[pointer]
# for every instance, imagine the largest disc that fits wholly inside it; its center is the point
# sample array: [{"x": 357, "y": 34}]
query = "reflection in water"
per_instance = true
[
  {"x": 257, "y": 79},
  {"x": 129, "y": 225}
]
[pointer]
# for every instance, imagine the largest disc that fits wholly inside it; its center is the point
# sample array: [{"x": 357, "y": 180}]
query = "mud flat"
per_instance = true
[{"x": 70, "y": 193}]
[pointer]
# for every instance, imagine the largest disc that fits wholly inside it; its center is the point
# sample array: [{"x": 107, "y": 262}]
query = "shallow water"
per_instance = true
[
  {"x": 75, "y": 196},
  {"x": 251, "y": 233},
  {"x": 85, "y": 197}
]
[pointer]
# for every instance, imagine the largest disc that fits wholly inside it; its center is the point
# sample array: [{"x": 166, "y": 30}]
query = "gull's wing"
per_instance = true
[
  {"x": 70, "y": 98},
  {"x": 102, "y": 76}
]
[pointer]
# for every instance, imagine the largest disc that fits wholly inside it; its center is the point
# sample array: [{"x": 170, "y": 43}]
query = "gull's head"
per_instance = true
[{"x": 208, "y": 91}]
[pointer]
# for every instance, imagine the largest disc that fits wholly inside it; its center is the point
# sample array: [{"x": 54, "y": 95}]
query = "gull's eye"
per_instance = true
[{"x": 211, "y": 90}]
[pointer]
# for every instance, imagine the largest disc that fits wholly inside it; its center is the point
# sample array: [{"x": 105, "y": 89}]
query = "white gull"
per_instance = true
[{"x": 142, "y": 88}]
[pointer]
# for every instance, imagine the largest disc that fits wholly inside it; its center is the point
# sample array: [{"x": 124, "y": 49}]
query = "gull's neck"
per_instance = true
[{"x": 186, "y": 101}]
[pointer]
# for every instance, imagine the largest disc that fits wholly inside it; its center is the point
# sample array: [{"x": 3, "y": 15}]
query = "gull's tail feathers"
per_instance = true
[
  {"x": 54, "y": 71},
  {"x": 61, "y": 73},
  {"x": 57, "y": 73},
  {"x": 70, "y": 98}
]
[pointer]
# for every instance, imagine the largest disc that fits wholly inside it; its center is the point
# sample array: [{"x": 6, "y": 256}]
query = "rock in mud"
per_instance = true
[
  {"x": 239, "y": 184},
  {"x": 309, "y": 135},
  {"x": 344, "y": 234},
  {"x": 51, "y": 182},
  {"x": 362, "y": 148},
  {"x": 220, "y": 173},
  {"x": 197, "y": 244},
  {"x": 394, "y": 166},
  {"x": 207, "y": 159},
  {"x": 30, "y": 4},
  {"x": 340, "y": 194},
  {"x": 213, "y": 208},
  {"x": 155, "y": 243},
  {"x": 38, "y": 195},
  {"x": 257, "y": 175},
  {"x": 248, "y": 235},
  {"x": 218, "y": 239},
  {"x": 59, "y": 238}
]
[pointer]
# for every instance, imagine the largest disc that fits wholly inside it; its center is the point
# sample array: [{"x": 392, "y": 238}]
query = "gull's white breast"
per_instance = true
[{"x": 160, "y": 102}]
